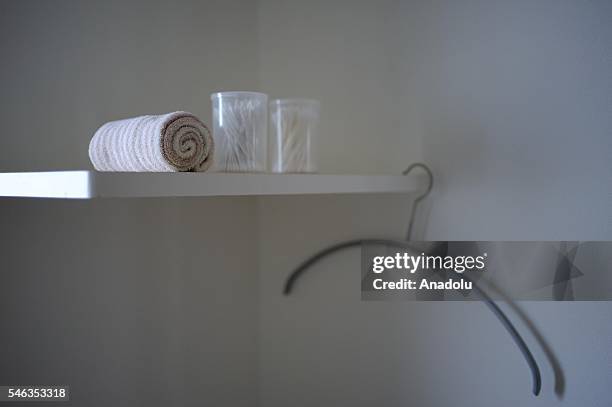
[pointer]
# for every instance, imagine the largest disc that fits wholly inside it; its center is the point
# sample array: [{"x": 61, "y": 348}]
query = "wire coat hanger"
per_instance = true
[{"x": 406, "y": 244}]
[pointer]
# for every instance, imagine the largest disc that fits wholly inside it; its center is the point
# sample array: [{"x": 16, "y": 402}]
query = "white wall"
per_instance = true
[
  {"x": 344, "y": 54},
  {"x": 131, "y": 302},
  {"x": 514, "y": 111},
  {"x": 509, "y": 102}
]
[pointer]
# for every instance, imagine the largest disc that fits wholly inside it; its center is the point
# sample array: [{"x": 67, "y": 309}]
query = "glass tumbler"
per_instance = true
[
  {"x": 295, "y": 124},
  {"x": 240, "y": 131}
]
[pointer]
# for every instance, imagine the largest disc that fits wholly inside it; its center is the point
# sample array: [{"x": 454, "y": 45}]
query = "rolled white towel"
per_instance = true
[{"x": 176, "y": 141}]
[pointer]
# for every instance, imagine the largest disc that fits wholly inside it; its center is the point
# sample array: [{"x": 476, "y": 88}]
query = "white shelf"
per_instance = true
[{"x": 92, "y": 184}]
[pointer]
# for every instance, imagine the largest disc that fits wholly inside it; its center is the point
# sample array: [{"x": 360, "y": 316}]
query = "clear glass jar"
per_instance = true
[
  {"x": 295, "y": 126},
  {"x": 240, "y": 131}
]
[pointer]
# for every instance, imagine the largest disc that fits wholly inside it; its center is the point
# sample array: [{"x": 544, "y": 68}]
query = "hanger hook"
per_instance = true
[
  {"x": 429, "y": 176},
  {"x": 419, "y": 198}
]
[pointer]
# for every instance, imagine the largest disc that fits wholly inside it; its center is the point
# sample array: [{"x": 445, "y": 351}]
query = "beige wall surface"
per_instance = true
[{"x": 130, "y": 302}]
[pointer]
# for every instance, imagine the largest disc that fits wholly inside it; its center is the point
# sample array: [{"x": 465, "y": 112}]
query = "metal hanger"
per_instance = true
[{"x": 439, "y": 249}]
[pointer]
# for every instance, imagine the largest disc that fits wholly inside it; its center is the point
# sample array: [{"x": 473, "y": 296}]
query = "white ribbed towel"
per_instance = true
[{"x": 176, "y": 141}]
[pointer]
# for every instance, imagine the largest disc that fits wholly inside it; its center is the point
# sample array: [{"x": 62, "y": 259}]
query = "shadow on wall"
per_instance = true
[
  {"x": 550, "y": 356},
  {"x": 553, "y": 361}
]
